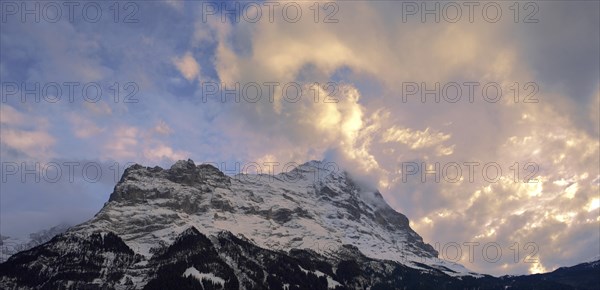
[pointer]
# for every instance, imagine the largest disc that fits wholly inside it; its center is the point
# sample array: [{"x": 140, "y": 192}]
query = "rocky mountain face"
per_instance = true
[
  {"x": 193, "y": 227},
  {"x": 309, "y": 207}
]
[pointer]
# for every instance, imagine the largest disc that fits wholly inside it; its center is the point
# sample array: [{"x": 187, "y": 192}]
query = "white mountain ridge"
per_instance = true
[{"x": 150, "y": 207}]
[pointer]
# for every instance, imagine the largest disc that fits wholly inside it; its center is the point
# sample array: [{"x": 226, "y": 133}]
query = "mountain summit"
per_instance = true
[
  {"x": 309, "y": 207},
  {"x": 193, "y": 227}
]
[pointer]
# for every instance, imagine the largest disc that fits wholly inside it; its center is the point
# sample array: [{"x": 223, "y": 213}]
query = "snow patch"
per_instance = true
[
  {"x": 191, "y": 271},
  {"x": 331, "y": 283}
]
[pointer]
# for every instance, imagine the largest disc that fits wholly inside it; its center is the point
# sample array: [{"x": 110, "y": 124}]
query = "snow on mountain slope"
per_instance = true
[
  {"x": 309, "y": 207},
  {"x": 11, "y": 245}
]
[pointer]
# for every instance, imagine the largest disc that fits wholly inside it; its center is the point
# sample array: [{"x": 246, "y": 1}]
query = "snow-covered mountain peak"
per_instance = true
[
  {"x": 316, "y": 170},
  {"x": 306, "y": 227},
  {"x": 327, "y": 166},
  {"x": 315, "y": 206}
]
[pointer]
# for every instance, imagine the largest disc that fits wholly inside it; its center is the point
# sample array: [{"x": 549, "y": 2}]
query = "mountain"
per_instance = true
[
  {"x": 10, "y": 246},
  {"x": 309, "y": 207},
  {"x": 582, "y": 276},
  {"x": 193, "y": 227}
]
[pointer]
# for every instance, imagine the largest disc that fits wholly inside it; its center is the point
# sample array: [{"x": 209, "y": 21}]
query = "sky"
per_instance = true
[{"x": 479, "y": 121}]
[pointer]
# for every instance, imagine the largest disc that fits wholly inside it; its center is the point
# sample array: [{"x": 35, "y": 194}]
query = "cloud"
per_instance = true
[
  {"x": 10, "y": 116},
  {"x": 123, "y": 144},
  {"x": 133, "y": 144},
  {"x": 366, "y": 126},
  {"x": 99, "y": 108},
  {"x": 187, "y": 66},
  {"x": 177, "y": 5},
  {"x": 418, "y": 139},
  {"x": 84, "y": 128},
  {"x": 163, "y": 151},
  {"x": 25, "y": 135},
  {"x": 36, "y": 144},
  {"x": 162, "y": 128},
  {"x": 373, "y": 134}
]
